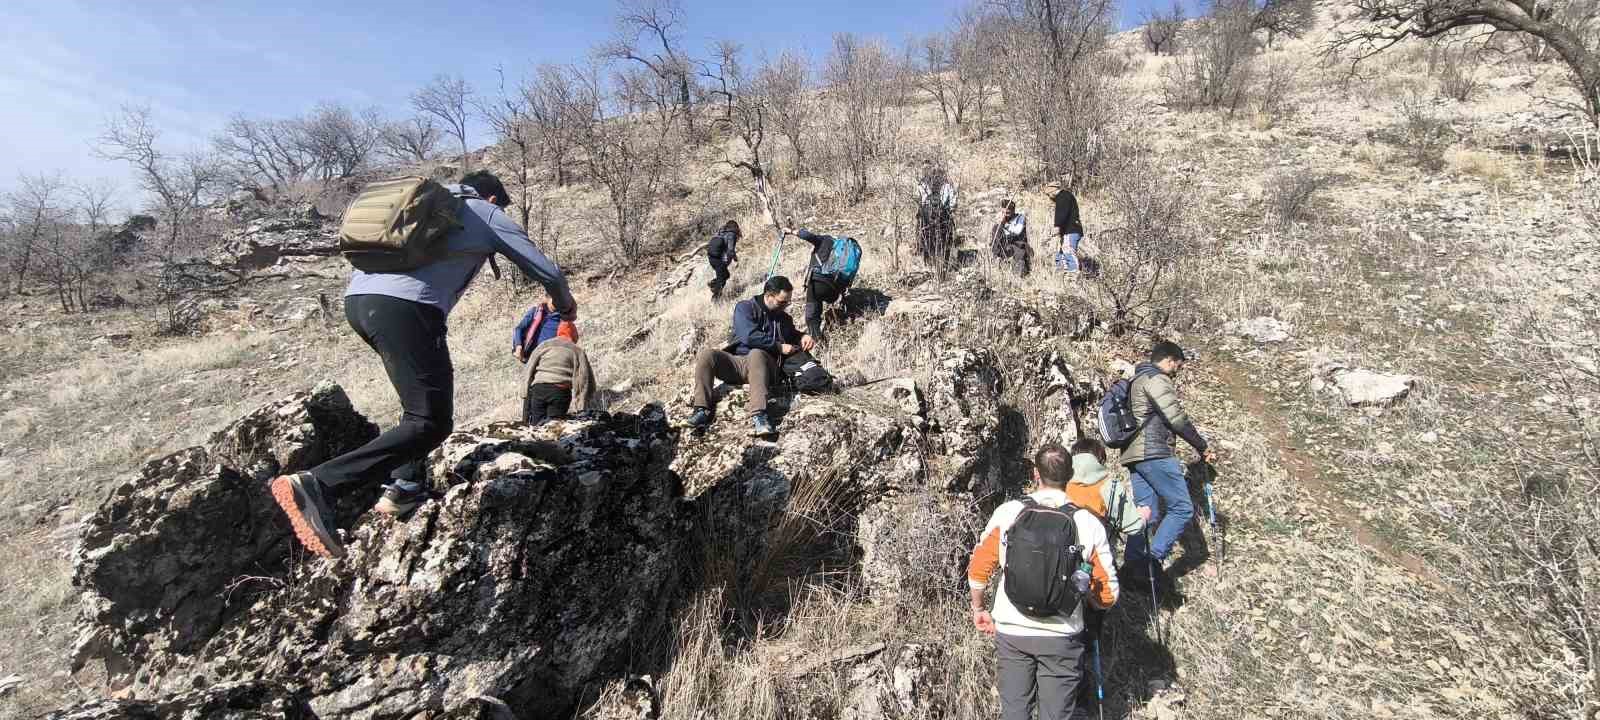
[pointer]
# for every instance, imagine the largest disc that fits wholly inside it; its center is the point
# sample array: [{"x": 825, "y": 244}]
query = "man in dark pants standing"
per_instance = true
[
  {"x": 819, "y": 289},
  {"x": 401, "y": 316},
  {"x": 722, "y": 251}
]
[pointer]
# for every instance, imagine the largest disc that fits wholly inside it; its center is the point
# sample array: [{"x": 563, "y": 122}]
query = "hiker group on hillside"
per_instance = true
[
  {"x": 417, "y": 245},
  {"x": 1056, "y": 545}
]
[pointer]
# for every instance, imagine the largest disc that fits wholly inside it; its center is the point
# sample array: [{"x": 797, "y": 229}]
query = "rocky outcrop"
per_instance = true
[
  {"x": 263, "y": 242},
  {"x": 159, "y": 564},
  {"x": 528, "y": 580}
]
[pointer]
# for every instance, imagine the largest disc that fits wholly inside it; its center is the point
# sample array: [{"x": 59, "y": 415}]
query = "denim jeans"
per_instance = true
[
  {"x": 1160, "y": 479},
  {"x": 1067, "y": 261}
]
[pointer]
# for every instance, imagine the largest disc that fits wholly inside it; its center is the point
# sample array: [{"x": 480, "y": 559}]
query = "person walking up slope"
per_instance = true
[
  {"x": 1158, "y": 482},
  {"x": 722, "y": 251},
  {"x": 1057, "y": 563}
]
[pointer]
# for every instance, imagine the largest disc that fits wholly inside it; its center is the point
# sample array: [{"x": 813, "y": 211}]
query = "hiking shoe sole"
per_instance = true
[
  {"x": 304, "y": 517},
  {"x": 395, "y": 508}
]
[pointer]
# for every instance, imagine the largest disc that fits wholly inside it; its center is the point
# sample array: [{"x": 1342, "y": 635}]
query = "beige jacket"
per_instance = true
[{"x": 559, "y": 362}]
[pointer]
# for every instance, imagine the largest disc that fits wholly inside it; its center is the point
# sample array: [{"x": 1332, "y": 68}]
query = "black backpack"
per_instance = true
[
  {"x": 1042, "y": 555},
  {"x": 806, "y": 374}
]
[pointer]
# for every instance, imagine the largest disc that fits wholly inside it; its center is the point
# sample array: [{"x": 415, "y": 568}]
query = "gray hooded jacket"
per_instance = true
[{"x": 486, "y": 230}]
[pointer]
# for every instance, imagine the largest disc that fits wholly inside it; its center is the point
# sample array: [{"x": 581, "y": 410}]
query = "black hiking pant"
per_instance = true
[
  {"x": 410, "y": 338},
  {"x": 820, "y": 291},
  {"x": 721, "y": 278},
  {"x": 545, "y": 401}
]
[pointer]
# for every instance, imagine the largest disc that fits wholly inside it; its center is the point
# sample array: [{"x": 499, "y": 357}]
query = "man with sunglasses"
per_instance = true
[
  {"x": 763, "y": 334},
  {"x": 401, "y": 316}
]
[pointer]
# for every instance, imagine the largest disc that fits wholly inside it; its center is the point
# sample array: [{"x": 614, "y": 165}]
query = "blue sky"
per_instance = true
[{"x": 67, "y": 65}]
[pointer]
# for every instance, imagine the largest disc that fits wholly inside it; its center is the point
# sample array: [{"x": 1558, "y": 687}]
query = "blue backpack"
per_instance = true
[
  {"x": 844, "y": 263},
  {"x": 1118, "y": 426}
]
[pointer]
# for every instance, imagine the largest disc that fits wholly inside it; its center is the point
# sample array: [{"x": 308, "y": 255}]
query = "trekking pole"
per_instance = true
[
  {"x": 1211, "y": 512},
  {"x": 1099, "y": 680},
  {"x": 1155, "y": 599},
  {"x": 772, "y": 215}
]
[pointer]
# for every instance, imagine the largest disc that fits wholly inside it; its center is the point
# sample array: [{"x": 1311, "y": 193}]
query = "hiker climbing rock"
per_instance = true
[
  {"x": 1150, "y": 454},
  {"x": 763, "y": 335},
  {"x": 936, "y": 207},
  {"x": 409, "y": 275},
  {"x": 1068, "y": 225},
  {"x": 835, "y": 260},
  {"x": 1009, "y": 239},
  {"x": 560, "y": 378},
  {"x": 1057, "y": 563},
  {"x": 722, "y": 251}
]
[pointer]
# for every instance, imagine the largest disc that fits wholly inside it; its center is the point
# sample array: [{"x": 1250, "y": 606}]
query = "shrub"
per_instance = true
[
  {"x": 1423, "y": 134},
  {"x": 1290, "y": 193},
  {"x": 1456, "y": 72}
]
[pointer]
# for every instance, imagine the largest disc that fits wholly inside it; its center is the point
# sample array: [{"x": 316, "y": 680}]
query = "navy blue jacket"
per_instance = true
[{"x": 757, "y": 328}]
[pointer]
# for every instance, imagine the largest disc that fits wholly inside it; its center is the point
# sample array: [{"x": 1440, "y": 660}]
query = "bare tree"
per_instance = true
[
  {"x": 1161, "y": 29},
  {"x": 341, "y": 141},
  {"x": 1147, "y": 255},
  {"x": 447, "y": 99},
  {"x": 1057, "y": 82},
  {"x": 974, "y": 44},
  {"x": 784, "y": 85},
  {"x": 936, "y": 75},
  {"x": 273, "y": 152},
  {"x": 1216, "y": 70},
  {"x": 411, "y": 140},
  {"x": 36, "y": 207},
  {"x": 1381, "y": 24},
  {"x": 745, "y": 114},
  {"x": 658, "y": 22},
  {"x": 868, "y": 89},
  {"x": 1289, "y": 18},
  {"x": 179, "y": 188},
  {"x": 631, "y": 155},
  {"x": 550, "y": 96},
  {"x": 516, "y": 133}
]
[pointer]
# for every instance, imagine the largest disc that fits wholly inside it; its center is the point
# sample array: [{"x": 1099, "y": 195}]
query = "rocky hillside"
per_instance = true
[{"x": 1397, "y": 358}]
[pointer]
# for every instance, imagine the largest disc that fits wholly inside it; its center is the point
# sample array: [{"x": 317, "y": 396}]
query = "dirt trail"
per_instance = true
[{"x": 1306, "y": 472}]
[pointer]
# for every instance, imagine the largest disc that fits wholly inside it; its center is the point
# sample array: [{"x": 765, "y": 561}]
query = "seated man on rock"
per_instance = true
[{"x": 763, "y": 335}]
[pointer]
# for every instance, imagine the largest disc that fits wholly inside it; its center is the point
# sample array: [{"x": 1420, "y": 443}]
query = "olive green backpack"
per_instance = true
[{"x": 398, "y": 224}]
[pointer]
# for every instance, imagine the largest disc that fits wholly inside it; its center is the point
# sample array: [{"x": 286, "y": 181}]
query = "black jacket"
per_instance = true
[
  {"x": 723, "y": 247},
  {"x": 1067, "y": 220},
  {"x": 821, "y": 247},
  {"x": 757, "y": 328}
]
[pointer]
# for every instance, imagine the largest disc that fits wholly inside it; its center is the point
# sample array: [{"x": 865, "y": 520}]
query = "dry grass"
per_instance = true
[{"x": 1487, "y": 166}]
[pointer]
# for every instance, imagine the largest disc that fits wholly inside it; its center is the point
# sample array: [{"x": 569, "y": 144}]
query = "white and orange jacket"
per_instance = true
[{"x": 990, "y": 554}]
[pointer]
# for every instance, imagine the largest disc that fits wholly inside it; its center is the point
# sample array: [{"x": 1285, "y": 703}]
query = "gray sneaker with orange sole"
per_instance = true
[{"x": 300, "y": 497}]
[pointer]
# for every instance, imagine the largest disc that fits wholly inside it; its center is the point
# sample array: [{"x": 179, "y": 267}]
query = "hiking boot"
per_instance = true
[
  {"x": 300, "y": 496},
  {"x": 761, "y": 426},
  {"x": 701, "y": 419},
  {"x": 398, "y": 501}
]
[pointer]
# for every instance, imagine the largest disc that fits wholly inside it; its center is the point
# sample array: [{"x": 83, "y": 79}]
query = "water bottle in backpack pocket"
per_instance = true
[{"x": 1044, "y": 573}]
